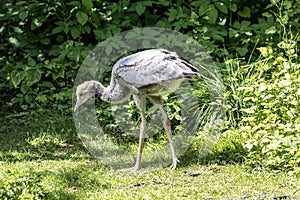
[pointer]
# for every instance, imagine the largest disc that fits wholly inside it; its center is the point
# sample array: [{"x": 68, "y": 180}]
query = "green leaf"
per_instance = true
[
  {"x": 48, "y": 84},
  {"x": 222, "y": 23},
  {"x": 242, "y": 50},
  {"x": 45, "y": 41},
  {"x": 57, "y": 29},
  {"x": 13, "y": 41},
  {"x": 23, "y": 15},
  {"x": 42, "y": 98},
  {"x": 233, "y": 7},
  {"x": 203, "y": 8},
  {"x": 24, "y": 88},
  {"x": 36, "y": 23},
  {"x": 96, "y": 20},
  {"x": 140, "y": 8},
  {"x": 17, "y": 77},
  {"x": 222, "y": 7},
  {"x": 81, "y": 17},
  {"x": 108, "y": 49},
  {"x": 146, "y": 44},
  {"x": 271, "y": 30},
  {"x": 75, "y": 32},
  {"x": 245, "y": 13},
  {"x": 28, "y": 98},
  {"x": 88, "y": 4},
  {"x": 17, "y": 30},
  {"x": 74, "y": 4},
  {"x": 33, "y": 76},
  {"x": 99, "y": 34},
  {"x": 131, "y": 35},
  {"x": 31, "y": 62},
  {"x": 218, "y": 37},
  {"x": 87, "y": 29},
  {"x": 212, "y": 14}
]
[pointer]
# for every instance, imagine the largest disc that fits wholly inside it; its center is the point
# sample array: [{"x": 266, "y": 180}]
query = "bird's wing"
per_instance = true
[{"x": 152, "y": 66}]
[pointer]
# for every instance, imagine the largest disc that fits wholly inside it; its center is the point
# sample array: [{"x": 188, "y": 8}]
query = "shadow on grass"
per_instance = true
[
  {"x": 41, "y": 135},
  {"x": 61, "y": 194},
  {"x": 224, "y": 152},
  {"x": 48, "y": 135}
]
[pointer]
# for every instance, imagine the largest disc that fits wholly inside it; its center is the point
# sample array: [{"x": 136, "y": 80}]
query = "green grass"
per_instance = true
[{"x": 42, "y": 158}]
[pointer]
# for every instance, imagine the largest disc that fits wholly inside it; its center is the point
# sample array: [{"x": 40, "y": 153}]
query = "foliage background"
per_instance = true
[{"x": 43, "y": 43}]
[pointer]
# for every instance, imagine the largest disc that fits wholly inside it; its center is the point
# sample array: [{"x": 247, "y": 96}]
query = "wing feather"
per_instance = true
[{"x": 151, "y": 67}]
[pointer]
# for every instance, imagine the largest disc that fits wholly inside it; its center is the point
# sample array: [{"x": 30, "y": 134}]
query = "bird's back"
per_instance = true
[{"x": 152, "y": 71}]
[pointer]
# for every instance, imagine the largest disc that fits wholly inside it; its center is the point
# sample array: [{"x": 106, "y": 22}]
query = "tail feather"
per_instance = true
[
  {"x": 189, "y": 75},
  {"x": 190, "y": 66}
]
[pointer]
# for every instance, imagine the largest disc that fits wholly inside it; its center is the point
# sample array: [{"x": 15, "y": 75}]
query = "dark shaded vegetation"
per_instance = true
[{"x": 43, "y": 43}]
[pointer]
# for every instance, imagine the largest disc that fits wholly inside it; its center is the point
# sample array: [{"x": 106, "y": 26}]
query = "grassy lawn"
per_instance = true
[{"x": 42, "y": 158}]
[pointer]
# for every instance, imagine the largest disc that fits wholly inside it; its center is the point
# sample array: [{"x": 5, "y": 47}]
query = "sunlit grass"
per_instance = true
[
  {"x": 90, "y": 180},
  {"x": 44, "y": 159}
]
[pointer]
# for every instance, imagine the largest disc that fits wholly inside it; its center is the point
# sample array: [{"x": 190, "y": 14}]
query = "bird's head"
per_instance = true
[{"x": 84, "y": 91}]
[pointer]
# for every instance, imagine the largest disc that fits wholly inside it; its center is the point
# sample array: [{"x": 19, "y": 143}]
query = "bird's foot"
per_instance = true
[
  {"x": 174, "y": 164},
  {"x": 131, "y": 169}
]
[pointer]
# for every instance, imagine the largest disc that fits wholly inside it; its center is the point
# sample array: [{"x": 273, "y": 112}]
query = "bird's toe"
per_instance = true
[{"x": 174, "y": 164}]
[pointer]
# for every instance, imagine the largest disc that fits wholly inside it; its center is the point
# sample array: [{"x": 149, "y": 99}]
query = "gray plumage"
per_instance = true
[{"x": 149, "y": 73}]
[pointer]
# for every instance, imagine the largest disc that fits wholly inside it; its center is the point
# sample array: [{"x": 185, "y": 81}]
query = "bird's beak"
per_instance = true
[
  {"x": 76, "y": 107},
  {"x": 81, "y": 101},
  {"x": 78, "y": 103}
]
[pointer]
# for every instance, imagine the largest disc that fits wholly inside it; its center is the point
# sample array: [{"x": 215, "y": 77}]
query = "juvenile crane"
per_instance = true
[{"x": 150, "y": 73}]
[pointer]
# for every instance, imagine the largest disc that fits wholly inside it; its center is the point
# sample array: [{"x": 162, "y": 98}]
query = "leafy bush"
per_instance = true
[
  {"x": 44, "y": 42},
  {"x": 39, "y": 55},
  {"x": 268, "y": 99}
]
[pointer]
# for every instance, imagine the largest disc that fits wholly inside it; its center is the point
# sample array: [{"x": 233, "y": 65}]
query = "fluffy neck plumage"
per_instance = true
[{"x": 114, "y": 93}]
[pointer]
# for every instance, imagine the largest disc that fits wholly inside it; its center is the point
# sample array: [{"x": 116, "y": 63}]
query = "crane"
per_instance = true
[{"x": 146, "y": 74}]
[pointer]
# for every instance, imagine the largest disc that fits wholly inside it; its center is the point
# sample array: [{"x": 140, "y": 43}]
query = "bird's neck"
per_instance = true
[{"x": 114, "y": 93}]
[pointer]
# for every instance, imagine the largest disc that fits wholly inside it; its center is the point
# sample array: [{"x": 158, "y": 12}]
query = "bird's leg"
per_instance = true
[
  {"x": 141, "y": 105},
  {"x": 141, "y": 141},
  {"x": 167, "y": 127}
]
